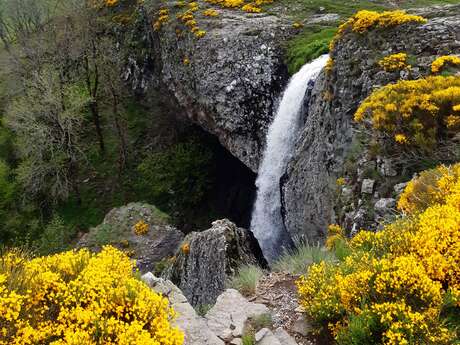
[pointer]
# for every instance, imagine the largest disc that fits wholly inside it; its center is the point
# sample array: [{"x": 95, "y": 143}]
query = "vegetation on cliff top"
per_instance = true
[{"x": 312, "y": 39}]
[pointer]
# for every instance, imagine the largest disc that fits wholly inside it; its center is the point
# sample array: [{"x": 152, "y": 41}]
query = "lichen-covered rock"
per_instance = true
[
  {"x": 328, "y": 142},
  {"x": 160, "y": 241},
  {"x": 229, "y": 80},
  {"x": 207, "y": 259}
]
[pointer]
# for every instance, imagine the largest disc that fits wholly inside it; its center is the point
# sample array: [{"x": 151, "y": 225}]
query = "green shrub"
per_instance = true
[
  {"x": 245, "y": 281},
  {"x": 203, "y": 309},
  {"x": 248, "y": 339},
  {"x": 261, "y": 321},
  {"x": 297, "y": 261},
  {"x": 54, "y": 238},
  {"x": 177, "y": 178}
]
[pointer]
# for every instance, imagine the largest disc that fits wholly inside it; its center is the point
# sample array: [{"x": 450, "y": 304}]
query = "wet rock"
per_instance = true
[{"x": 207, "y": 259}]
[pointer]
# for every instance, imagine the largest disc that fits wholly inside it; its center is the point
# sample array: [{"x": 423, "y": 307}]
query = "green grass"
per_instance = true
[
  {"x": 297, "y": 261},
  {"x": 245, "y": 281},
  {"x": 307, "y": 46}
]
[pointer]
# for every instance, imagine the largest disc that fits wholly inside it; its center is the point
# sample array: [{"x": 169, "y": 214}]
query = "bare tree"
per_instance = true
[{"x": 48, "y": 121}]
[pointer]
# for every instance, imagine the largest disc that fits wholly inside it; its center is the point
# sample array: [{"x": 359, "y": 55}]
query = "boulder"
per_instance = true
[
  {"x": 206, "y": 260},
  {"x": 284, "y": 337},
  {"x": 231, "y": 312},
  {"x": 266, "y": 337},
  {"x": 367, "y": 186},
  {"x": 158, "y": 243},
  {"x": 385, "y": 205}
]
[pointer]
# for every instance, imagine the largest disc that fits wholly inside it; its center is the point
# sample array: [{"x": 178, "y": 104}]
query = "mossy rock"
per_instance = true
[{"x": 155, "y": 244}]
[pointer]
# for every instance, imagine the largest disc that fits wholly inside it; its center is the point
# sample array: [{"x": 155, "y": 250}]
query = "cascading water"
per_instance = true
[{"x": 266, "y": 223}]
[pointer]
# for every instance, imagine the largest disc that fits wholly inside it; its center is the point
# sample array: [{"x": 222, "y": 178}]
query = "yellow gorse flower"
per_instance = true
[
  {"x": 141, "y": 228},
  {"x": 398, "y": 277},
  {"x": 415, "y": 112},
  {"x": 439, "y": 64},
  {"x": 80, "y": 298},
  {"x": 394, "y": 62}
]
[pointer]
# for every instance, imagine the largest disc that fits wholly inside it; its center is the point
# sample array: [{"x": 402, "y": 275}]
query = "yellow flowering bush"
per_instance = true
[
  {"x": 76, "y": 298},
  {"x": 141, "y": 228},
  {"x": 432, "y": 186},
  {"x": 439, "y": 64},
  {"x": 400, "y": 285},
  {"x": 335, "y": 233},
  {"x": 394, "y": 62},
  {"x": 186, "y": 12},
  {"x": 364, "y": 21},
  {"x": 210, "y": 13},
  {"x": 417, "y": 113}
]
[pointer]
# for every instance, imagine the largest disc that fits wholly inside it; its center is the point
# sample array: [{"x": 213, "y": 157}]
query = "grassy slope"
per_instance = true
[{"x": 313, "y": 40}]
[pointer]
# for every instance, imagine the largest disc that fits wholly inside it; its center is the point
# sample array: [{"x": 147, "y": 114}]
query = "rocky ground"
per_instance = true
[{"x": 272, "y": 314}]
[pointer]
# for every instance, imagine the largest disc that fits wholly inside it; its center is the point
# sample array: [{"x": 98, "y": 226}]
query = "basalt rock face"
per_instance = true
[
  {"x": 207, "y": 259},
  {"x": 228, "y": 81},
  {"x": 328, "y": 139}
]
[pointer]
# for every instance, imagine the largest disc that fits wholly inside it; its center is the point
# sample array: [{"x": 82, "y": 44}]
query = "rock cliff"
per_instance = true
[
  {"x": 330, "y": 140},
  {"x": 229, "y": 80}
]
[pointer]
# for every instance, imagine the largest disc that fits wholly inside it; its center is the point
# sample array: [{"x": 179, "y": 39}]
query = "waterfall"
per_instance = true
[{"x": 266, "y": 223}]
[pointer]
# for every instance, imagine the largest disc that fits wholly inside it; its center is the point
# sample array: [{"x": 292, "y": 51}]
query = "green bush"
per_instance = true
[
  {"x": 54, "y": 238},
  {"x": 177, "y": 178}
]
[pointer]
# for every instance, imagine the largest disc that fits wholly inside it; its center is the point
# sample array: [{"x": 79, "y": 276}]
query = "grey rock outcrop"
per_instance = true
[
  {"x": 161, "y": 240},
  {"x": 328, "y": 139},
  {"x": 207, "y": 259},
  {"x": 231, "y": 79}
]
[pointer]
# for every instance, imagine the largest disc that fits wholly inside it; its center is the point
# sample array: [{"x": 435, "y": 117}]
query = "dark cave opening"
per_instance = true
[{"x": 233, "y": 191}]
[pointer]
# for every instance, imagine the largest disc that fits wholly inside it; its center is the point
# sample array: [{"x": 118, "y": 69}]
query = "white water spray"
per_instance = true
[{"x": 266, "y": 223}]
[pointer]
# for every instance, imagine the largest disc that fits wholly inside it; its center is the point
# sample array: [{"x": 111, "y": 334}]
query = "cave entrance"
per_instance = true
[{"x": 232, "y": 191}]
